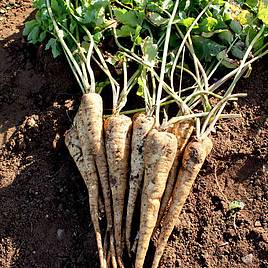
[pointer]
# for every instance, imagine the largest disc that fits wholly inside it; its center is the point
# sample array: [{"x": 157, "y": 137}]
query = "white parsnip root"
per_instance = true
[
  {"x": 73, "y": 144},
  {"x": 142, "y": 124},
  {"x": 183, "y": 131},
  {"x": 159, "y": 154},
  {"x": 75, "y": 140},
  {"x": 92, "y": 114},
  {"x": 193, "y": 158},
  {"x": 117, "y": 142}
]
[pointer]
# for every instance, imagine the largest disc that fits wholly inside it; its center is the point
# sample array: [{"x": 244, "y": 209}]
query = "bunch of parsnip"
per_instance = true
[
  {"x": 144, "y": 165},
  {"x": 105, "y": 153}
]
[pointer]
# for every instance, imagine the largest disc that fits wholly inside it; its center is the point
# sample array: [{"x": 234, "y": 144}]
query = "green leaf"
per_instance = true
[
  {"x": 131, "y": 18},
  {"x": 245, "y": 17},
  {"x": 101, "y": 85},
  {"x": 139, "y": 3},
  {"x": 127, "y": 2},
  {"x": 227, "y": 13},
  {"x": 259, "y": 43},
  {"x": 208, "y": 24},
  {"x": 54, "y": 45},
  {"x": 206, "y": 48},
  {"x": 42, "y": 36},
  {"x": 174, "y": 41},
  {"x": 136, "y": 38},
  {"x": 42, "y": 16},
  {"x": 167, "y": 4},
  {"x": 29, "y": 25},
  {"x": 239, "y": 50},
  {"x": 210, "y": 34},
  {"x": 92, "y": 14},
  {"x": 126, "y": 31},
  {"x": 116, "y": 59},
  {"x": 97, "y": 37},
  {"x": 56, "y": 7},
  {"x": 226, "y": 61},
  {"x": 34, "y": 34},
  {"x": 187, "y": 22},
  {"x": 39, "y": 4},
  {"x": 263, "y": 11},
  {"x": 226, "y": 36},
  {"x": 149, "y": 50},
  {"x": 157, "y": 19},
  {"x": 251, "y": 33},
  {"x": 140, "y": 91},
  {"x": 100, "y": 17},
  {"x": 73, "y": 26},
  {"x": 252, "y": 4},
  {"x": 218, "y": 2},
  {"x": 236, "y": 26},
  {"x": 235, "y": 206}
]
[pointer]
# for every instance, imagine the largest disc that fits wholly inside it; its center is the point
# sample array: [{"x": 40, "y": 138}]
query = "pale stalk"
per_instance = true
[{"x": 163, "y": 65}]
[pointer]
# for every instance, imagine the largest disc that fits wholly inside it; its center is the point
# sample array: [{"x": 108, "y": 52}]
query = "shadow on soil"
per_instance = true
[{"x": 44, "y": 212}]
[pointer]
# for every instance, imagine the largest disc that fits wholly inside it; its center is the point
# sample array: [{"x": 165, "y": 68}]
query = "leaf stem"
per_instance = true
[{"x": 164, "y": 59}]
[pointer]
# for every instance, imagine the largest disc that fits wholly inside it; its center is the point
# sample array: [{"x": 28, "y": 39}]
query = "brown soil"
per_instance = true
[{"x": 44, "y": 213}]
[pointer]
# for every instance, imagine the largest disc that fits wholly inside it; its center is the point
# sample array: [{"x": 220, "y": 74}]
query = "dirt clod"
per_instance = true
[
  {"x": 60, "y": 234},
  {"x": 248, "y": 259}
]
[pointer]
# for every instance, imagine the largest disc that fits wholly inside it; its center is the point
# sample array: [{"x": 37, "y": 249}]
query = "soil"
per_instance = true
[{"x": 44, "y": 212}]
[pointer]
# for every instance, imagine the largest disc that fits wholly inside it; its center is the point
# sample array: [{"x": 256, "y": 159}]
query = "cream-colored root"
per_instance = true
[
  {"x": 193, "y": 158},
  {"x": 92, "y": 114},
  {"x": 89, "y": 174},
  {"x": 142, "y": 124},
  {"x": 159, "y": 154},
  {"x": 117, "y": 142},
  {"x": 183, "y": 131}
]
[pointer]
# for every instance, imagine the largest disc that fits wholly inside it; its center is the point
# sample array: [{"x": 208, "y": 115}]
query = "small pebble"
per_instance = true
[
  {"x": 56, "y": 142},
  {"x": 247, "y": 259},
  {"x": 60, "y": 234},
  {"x": 31, "y": 122},
  {"x": 257, "y": 224}
]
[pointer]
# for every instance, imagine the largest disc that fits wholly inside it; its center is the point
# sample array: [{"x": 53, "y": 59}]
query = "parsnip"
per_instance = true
[
  {"x": 142, "y": 124},
  {"x": 159, "y": 154},
  {"x": 117, "y": 142},
  {"x": 182, "y": 131},
  {"x": 92, "y": 114},
  {"x": 193, "y": 158},
  {"x": 75, "y": 140}
]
